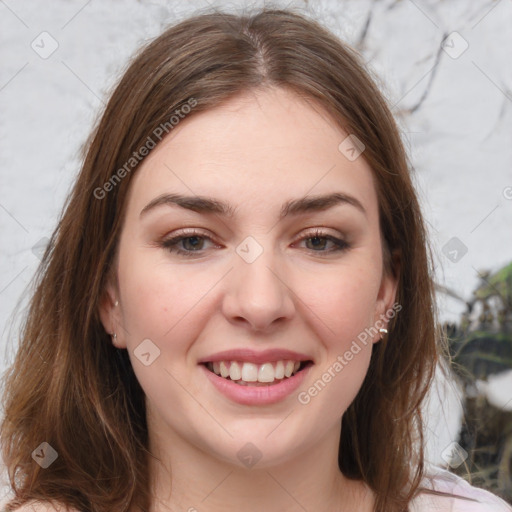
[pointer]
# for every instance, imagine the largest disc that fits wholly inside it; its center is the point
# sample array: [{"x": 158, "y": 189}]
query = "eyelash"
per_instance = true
[{"x": 171, "y": 243}]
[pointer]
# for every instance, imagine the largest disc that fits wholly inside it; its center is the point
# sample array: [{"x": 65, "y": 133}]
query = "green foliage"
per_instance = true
[{"x": 480, "y": 345}]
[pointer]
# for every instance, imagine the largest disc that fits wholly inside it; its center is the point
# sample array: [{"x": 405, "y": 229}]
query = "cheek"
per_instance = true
[
  {"x": 156, "y": 298},
  {"x": 344, "y": 308},
  {"x": 344, "y": 303}
]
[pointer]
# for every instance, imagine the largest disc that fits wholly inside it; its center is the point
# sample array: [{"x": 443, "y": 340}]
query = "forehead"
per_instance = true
[{"x": 255, "y": 151}]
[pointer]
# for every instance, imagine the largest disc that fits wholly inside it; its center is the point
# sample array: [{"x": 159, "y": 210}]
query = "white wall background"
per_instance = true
[{"x": 459, "y": 139}]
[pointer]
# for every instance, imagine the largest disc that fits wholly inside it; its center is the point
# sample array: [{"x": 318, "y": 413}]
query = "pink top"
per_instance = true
[{"x": 469, "y": 498}]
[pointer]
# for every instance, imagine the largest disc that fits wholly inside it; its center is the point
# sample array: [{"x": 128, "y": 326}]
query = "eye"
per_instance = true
[
  {"x": 319, "y": 239},
  {"x": 193, "y": 242}
]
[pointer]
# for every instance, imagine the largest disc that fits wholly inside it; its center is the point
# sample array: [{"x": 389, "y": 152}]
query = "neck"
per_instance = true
[{"x": 185, "y": 478}]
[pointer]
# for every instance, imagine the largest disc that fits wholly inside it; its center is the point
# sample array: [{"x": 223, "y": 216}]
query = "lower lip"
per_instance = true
[{"x": 257, "y": 395}]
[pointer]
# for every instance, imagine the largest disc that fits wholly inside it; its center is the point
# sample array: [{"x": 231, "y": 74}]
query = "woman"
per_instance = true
[{"x": 236, "y": 310}]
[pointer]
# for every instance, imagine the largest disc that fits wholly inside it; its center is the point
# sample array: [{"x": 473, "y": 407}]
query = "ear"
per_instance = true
[
  {"x": 111, "y": 316},
  {"x": 386, "y": 307}
]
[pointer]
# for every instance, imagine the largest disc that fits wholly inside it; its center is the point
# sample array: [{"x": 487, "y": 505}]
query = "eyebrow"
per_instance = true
[{"x": 208, "y": 205}]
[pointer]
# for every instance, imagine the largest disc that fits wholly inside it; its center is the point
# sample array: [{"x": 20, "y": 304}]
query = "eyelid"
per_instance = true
[
  {"x": 186, "y": 233},
  {"x": 321, "y": 231},
  {"x": 310, "y": 232}
]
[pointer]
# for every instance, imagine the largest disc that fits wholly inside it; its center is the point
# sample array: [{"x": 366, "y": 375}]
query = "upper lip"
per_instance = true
[{"x": 252, "y": 356}]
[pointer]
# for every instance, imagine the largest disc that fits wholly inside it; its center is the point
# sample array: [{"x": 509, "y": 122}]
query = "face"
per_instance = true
[{"x": 275, "y": 277}]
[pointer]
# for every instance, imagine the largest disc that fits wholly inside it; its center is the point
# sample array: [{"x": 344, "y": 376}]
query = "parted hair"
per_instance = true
[{"x": 70, "y": 387}]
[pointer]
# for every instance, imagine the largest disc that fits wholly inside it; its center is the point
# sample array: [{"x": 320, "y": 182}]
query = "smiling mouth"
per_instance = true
[{"x": 251, "y": 374}]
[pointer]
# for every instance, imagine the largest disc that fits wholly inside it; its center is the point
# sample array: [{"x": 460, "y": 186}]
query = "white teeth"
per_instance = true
[
  {"x": 250, "y": 372},
  {"x": 266, "y": 373},
  {"x": 245, "y": 372},
  {"x": 279, "y": 370},
  {"x": 234, "y": 371},
  {"x": 288, "y": 369},
  {"x": 224, "y": 370}
]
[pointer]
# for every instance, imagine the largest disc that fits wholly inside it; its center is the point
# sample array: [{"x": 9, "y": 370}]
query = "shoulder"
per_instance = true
[{"x": 463, "y": 496}]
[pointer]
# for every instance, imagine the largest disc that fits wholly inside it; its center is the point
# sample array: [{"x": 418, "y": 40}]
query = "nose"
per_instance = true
[{"x": 258, "y": 293}]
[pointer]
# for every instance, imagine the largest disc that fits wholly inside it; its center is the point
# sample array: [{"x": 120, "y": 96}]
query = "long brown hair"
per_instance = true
[{"x": 70, "y": 387}]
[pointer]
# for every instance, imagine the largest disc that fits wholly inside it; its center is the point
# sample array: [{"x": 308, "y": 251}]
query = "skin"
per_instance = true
[{"x": 255, "y": 152}]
